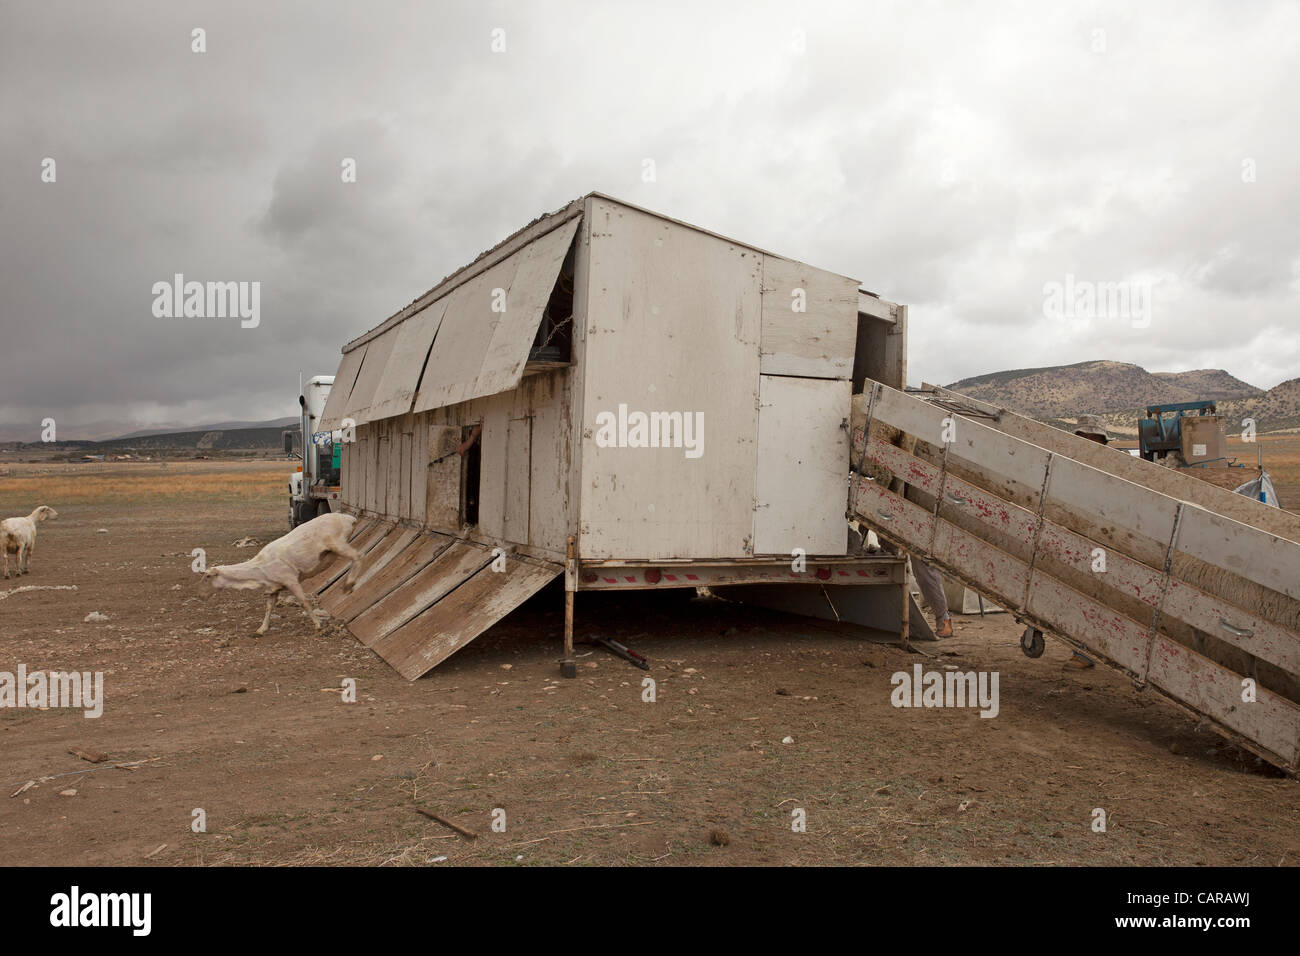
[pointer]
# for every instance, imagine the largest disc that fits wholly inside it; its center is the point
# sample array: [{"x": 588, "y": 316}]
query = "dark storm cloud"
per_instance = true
[{"x": 955, "y": 157}]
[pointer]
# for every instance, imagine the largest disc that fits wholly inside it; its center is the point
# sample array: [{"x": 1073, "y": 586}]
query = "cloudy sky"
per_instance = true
[{"x": 956, "y": 157}]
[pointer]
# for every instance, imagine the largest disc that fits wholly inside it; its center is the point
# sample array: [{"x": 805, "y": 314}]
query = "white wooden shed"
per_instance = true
[{"x": 620, "y": 398}]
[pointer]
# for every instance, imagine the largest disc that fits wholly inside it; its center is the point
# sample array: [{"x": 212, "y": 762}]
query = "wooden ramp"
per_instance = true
[
  {"x": 1183, "y": 586},
  {"x": 422, "y": 596}
]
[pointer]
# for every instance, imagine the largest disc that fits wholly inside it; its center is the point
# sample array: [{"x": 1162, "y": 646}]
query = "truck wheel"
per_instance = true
[
  {"x": 322, "y": 508},
  {"x": 306, "y": 511}
]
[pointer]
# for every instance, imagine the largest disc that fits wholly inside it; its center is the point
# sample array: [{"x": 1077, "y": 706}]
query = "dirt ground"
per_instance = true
[{"x": 254, "y": 731}]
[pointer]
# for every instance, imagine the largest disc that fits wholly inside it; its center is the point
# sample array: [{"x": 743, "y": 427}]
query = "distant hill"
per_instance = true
[
  {"x": 218, "y": 427},
  {"x": 1274, "y": 410},
  {"x": 1062, "y": 392},
  {"x": 1213, "y": 384},
  {"x": 111, "y": 432}
]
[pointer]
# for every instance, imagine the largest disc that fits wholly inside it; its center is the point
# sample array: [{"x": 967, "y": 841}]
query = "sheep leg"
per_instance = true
[
  {"x": 295, "y": 586},
  {"x": 353, "y": 555},
  {"x": 23, "y": 561},
  {"x": 266, "y": 621},
  {"x": 4, "y": 550}
]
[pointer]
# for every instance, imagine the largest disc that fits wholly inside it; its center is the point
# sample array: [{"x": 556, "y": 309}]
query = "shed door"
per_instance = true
[{"x": 802, "y": 486}]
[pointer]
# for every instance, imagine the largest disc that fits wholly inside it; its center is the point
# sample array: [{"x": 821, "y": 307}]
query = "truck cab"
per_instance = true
[{"x": 314, "y": 486}]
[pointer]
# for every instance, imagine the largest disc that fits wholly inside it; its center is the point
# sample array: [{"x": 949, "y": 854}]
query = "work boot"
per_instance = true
[
  {"x": 943, "y": 626},
  {"x": 1078, "y": 662}
]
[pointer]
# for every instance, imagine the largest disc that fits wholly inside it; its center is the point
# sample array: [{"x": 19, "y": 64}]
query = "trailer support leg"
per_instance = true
[
  {"x": 905, "y": 612},
  {"x": 568, "y": 666}
]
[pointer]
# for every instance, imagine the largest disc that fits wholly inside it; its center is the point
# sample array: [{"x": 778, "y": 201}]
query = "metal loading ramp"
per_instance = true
[
  {"x": 421, "y": 596},
  {"x": 1181, "y": 585}
]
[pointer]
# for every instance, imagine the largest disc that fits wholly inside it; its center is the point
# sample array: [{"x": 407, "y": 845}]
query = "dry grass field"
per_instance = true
[{"x": 202, "y": 714}]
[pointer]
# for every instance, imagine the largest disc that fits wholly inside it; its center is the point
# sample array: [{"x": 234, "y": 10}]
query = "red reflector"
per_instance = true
[{"x": 652, "y": 576}]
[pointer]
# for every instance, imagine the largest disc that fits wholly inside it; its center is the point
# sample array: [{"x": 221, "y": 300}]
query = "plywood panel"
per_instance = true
[
  {"x": 347, "y": 490},
  {"x": 395, "y": 393},
  {"x": 461, "y": 616},
  {"x": 548, "y": 499},
  {"x": 372, "y": 468},
  {"x": 447, "y": 571},
  {"x": 443, "y": 477},
  {"x": 419, "y": 466},
  {"x": 463, "y": 338},
  {"x": 395, "y": 473},
  {"x": 381, "y": 470},
  {"x": 341, "y": 390},
  {"x": 810, "y": 320},
  {"x": 363, "y": 470},
  {"x": 673, "y": 319},
  {"x": 492, "y": 474},
  {"x": 519, "y": 444},
  {"x": 404, "y": 476},
  {"x": 372, "y": 370},
  {"x": 803, "y": 464},
  {"x": 538, "y": 268}
]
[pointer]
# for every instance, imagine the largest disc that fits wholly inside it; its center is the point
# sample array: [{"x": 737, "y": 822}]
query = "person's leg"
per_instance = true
[{"x": 931, "y": 584}]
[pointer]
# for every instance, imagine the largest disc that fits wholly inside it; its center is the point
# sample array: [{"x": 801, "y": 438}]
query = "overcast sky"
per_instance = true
[{"x": 956, "y": 157}]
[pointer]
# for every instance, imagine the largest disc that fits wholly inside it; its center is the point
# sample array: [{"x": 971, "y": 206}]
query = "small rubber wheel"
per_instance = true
[{"x": 1032, "y": 643}]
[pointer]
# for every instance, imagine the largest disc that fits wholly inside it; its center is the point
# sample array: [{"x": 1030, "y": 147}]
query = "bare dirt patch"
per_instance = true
[{"x": 254, "y": 732}]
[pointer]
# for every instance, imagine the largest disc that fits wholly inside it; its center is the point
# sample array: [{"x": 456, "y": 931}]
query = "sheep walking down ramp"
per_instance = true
[
  {"x": 1185, "y": 587},
  {"x": 282, "y": 564}
]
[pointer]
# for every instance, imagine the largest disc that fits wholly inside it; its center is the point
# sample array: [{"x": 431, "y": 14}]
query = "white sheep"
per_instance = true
[
  {"x": 18, "y": 536},
  {"x": 281, "y": 565}
]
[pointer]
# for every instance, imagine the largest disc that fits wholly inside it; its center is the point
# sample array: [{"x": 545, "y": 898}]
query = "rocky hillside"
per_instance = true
[
  {"x": 1213, "y": 384},
  {"x": 1065, "y": 391},
  {"x": 1274, "y": 410}
]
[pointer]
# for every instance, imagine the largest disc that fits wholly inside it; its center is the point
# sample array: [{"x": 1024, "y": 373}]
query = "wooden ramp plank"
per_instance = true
[
  {"x": 448, "y": 570},
  {"x": 378, "y": 559},
  {"x": 361, "y": 527},
  {"x": 426, "y": 641},
  {"x": 335, "y": 566},
  {"x": 414, "y": 558}
]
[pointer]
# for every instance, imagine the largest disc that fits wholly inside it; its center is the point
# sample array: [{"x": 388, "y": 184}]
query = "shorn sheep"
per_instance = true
[
  {"x": 18, "y": 536},
  {"x": 282, "y": 564}
]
